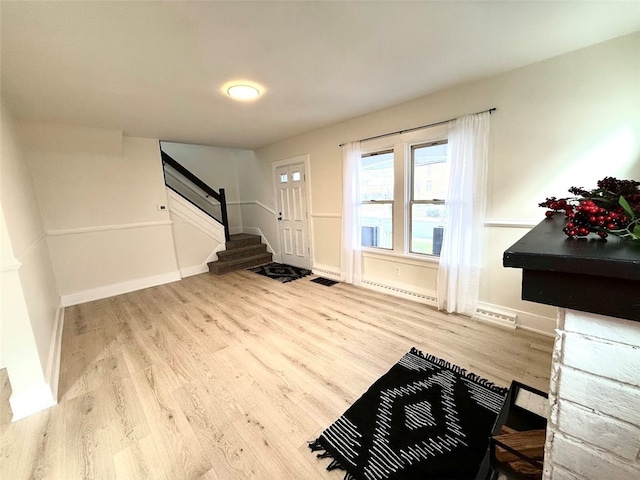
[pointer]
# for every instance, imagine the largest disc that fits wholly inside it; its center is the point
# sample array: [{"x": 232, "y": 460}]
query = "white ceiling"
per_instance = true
[{"x": 156, "y": 69}]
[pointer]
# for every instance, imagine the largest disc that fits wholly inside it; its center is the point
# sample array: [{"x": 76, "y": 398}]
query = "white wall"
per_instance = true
[
  {"x": 218, "y": 168},
  {"x": 197, "y": 236},
  {"x": 99, "y": 194},
  {"x": 569, "y": 120},
  {"x": 30, "y": 324},
  {"x": 258, "y": 206},
  {"x": 246, "y": 181}
]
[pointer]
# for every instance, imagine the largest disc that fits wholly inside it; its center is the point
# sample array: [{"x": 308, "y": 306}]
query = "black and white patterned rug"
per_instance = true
[
  {"x": 281, "y": 271},
  {"x": 423, "y": 419}
]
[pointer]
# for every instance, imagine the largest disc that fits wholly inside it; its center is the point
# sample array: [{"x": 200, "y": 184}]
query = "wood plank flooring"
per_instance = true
[{"x": 223, "y": 378}]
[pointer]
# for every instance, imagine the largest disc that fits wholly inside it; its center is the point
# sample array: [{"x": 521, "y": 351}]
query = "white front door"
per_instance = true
[{"x": 292, "y": 215}]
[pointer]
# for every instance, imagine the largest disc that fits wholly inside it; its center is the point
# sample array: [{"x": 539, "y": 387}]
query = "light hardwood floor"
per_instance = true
[{"x": 228, "y": 377}]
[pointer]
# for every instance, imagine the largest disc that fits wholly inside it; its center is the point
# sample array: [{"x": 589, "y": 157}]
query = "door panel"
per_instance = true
[
  {"x": 292, "y": 215},
  {"x": 299, "y": 243},
  {"x": 287, "y": 241},
  {"x": 296, "y": 194}
]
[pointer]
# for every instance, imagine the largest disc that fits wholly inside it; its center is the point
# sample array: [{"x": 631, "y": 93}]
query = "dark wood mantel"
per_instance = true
[{"x": 592, "y": 275}]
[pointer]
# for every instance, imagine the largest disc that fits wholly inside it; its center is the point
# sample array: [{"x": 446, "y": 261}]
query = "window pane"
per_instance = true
[
  {"x": 376, "y": 177},
  {"x": 430, "y": 172},
  {"x": 426, "y": 228},
  {"x": 377, "y": 225},
  {"x": 283, "y": 178},
  {"x": 296, "y": 176}
]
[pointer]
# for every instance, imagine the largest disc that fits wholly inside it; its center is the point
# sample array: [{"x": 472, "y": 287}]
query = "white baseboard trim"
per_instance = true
[
  {"x": 512, "y": 318},
  {"x": 485, "y": 312},
  {"x": 327, "y": 271},
  {"x": 55, "y": 352},
  {"x": 214, "y": 255},
  {"x": 31, "y": 402},
  {"x": 428, "y": 298},
  {"x": 194, "y": 270},
  {"x": 488, "y": 313},
  {"x": 537, "y": 324},
  {"x": 236, "y": 230},
  {"x": 119, "y": 288}
]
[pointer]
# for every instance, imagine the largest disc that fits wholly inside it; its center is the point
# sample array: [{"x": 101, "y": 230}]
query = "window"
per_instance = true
[
  {"x": 403, "y": 187},
  {"x": 376, "y": 199},
  {"x": 429, "y": 181}
]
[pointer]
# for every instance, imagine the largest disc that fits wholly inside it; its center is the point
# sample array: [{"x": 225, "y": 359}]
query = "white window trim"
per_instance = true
[
  {"x": 409, "y": 194},
  {"x": 409, "y": 259},
  {"x": 401, "y": 145}
]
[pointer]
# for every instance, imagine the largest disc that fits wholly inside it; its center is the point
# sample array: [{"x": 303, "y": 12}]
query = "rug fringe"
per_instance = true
[
  {"x": 460, "y": 371},
  {"x": 315, "y": 446}
]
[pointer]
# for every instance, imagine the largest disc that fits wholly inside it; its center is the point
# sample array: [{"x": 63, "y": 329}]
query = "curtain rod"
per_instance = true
[{"x": 490, "y": 110}]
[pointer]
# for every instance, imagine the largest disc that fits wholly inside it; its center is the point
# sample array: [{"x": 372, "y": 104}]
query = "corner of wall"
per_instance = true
[
  {"x": 107, "y": 291},
  {"x": 31, "y": 402},
  {"x": 194, "y": 270},
  {"x": 52, "y": 376}
]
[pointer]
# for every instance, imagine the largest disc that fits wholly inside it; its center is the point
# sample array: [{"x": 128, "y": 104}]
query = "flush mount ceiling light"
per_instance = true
[{"x": 243, "y": 92}]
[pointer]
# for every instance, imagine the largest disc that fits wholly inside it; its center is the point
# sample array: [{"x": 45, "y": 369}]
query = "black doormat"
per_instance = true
[
  {"x": 324, "y": 281},
  {"x": 281, "y": 271},
  {"x": 423, "y": 419}
]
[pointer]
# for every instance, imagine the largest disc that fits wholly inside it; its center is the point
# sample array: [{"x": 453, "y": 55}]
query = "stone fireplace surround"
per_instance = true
[{"x": 593, "y": 429}]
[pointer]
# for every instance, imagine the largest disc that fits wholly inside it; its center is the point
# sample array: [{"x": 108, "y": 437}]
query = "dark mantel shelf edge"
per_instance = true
[{"x": 595, "y": 276}]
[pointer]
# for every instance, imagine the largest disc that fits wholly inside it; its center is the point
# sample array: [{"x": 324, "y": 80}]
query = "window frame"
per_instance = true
[
  {"x": 412, "y": 201},
  {"x": 391, "y": 202},
  {"x": 400, "y": 145}
]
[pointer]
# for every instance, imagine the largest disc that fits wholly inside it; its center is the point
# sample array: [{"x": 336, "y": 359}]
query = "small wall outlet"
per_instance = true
[{"x": 162, "y": 207}]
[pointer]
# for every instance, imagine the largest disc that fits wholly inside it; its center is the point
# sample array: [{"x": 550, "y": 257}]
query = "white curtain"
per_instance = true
[
  {"x": 351, "y": 253},
  {"x": 460, "y": 258}
]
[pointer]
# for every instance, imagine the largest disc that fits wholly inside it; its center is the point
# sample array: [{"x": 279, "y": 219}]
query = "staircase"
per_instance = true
[{"x": 243, "y": 251}]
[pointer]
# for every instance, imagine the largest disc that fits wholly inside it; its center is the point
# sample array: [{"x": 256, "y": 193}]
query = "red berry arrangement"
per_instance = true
[{"x": 612, "y": 208}]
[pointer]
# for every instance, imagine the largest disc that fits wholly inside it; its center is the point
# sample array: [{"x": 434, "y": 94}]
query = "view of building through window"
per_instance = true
[
  {"x": 422, "y": 219},
  {"x": 429, "y": 191},
  {"x": 376, "y": 195}
]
